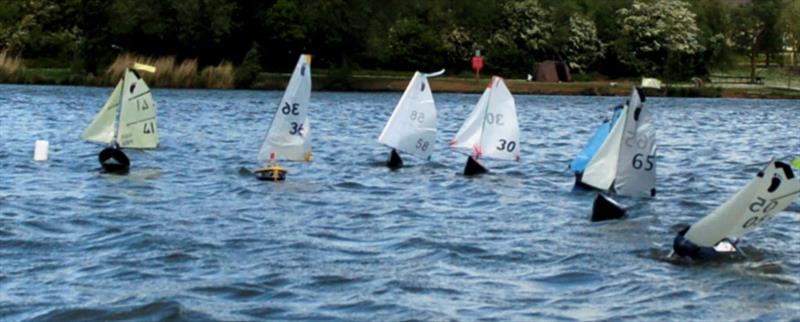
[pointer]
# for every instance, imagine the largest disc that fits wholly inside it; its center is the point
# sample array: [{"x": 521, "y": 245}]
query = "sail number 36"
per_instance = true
[{"x": 290, "y": 109}]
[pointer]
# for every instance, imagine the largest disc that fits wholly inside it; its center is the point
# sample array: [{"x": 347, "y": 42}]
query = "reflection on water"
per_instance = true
[{"x": 189, "y": 234}]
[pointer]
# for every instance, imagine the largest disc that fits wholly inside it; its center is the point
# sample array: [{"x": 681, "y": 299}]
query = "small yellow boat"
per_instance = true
[{"x": 271, "y": 173}]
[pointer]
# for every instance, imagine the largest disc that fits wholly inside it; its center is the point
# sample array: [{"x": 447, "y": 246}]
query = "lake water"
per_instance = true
[{"x": 190, "y": 235}]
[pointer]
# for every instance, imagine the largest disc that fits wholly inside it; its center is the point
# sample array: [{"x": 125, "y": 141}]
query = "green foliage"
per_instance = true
[
  {"x": 667, "y": 38},
  {"x": 246, "y": 73},
  {"x": 656, "y": 33}
]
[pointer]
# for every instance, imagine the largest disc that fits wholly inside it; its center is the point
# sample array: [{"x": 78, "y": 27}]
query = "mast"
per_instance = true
[{"x": 119, "y": 108}]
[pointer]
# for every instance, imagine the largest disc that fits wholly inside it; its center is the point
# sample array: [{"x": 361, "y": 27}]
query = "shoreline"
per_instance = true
[{"x": 370, "y": 83}]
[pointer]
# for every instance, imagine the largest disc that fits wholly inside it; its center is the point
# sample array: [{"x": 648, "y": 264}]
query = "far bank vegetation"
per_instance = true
[{"x": 172, "y": 73}]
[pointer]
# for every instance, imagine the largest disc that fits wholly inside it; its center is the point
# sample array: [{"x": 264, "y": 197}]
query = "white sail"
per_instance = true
[
  {"x": 602, "y": 169},
  {"x": 101, "y": 130},
  {"x": 412, "y": 126},
  {"x": 137, "y": 119},
  {"x": 289, "y": 135},
  {"x": 500, "y": 138},
  {"x": 636, "y": 169},
  {"x": 469, "y": 135},
  {"x": 772, "y": 190}
]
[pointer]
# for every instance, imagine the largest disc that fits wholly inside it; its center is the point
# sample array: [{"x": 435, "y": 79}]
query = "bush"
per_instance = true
[{"x": 246, "y": 74}]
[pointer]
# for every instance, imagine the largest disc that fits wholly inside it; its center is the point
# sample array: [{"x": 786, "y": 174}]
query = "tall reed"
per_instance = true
[
  {"x": 11, "y": 67},
  {"x": 220, "y": 76},
  {"x": 170, "y": 73}
]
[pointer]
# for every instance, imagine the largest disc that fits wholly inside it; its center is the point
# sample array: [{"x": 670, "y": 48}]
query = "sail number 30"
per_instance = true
[{"x": 506, "y": 145}]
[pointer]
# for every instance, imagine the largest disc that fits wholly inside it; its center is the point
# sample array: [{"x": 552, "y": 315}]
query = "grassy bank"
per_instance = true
[{"x": 172, "y": 73}]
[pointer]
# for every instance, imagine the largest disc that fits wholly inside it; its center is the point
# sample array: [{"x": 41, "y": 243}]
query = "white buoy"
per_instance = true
[{"x": 40, "y": 151}]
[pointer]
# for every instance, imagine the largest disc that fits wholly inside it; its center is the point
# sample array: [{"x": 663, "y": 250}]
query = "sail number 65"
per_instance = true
[{"x": 638, "y": 163}]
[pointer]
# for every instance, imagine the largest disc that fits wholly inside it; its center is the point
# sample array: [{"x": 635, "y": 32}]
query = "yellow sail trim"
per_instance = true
[{"x": 144, "y": 68}]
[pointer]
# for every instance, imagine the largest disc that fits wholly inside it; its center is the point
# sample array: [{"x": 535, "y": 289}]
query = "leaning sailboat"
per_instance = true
[
  {"x": 289, "y": 135},
  {"x": 581, "y": 160},
  {"x": 620, "y": 158},
  {"x": 412, "y": 126},
  {"x": 491, "y": 130},
  {"x": 625, "y": 163},
  {"x": 772, "y": 190},
  {"x": 126, "y": 121}
]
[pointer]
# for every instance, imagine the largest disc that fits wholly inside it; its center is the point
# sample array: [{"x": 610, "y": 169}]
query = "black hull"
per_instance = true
[
  {"x": 685, "y": 248},
  {"x": 395, "y": 162},
  {"x": 473, "y": 167},
  {"x": 580, "y": 186},
  {"x": 605, "y": 208},
  {"x": 113, "y": 160}
]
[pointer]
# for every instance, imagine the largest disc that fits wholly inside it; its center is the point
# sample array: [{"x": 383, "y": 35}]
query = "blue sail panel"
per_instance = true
[{"x": 582, "y": 159}]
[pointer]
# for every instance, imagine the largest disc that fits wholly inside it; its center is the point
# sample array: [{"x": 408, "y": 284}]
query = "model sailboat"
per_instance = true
[
  {"x": 772, "y": 190},
  {"x": 491, "y": 130},
  {"x": 625, "y": 163},
  {"x": 578, "y": 165},
  {"x": 126, "y": 120},
  {"x": 412, "y": 126},
  {"x": 289, "y": 134}
]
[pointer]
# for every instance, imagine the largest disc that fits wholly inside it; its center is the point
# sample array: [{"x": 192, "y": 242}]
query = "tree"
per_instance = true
[
  {"x": 655, "y": 32},
  {"x": 746, "y": 34},
  {"x": 246, "y": 73},
  {"x": 582, "y": 47},
  {"x": 523, "y": 38},
  {"x": 790, "y": 20}
]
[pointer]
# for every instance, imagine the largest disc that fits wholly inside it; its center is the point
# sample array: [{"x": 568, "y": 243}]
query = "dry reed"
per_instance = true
[
  {"x": 11, "y": 67},
  {"x": 220, "y": 76},
  {"x": 169, "y": 73}
]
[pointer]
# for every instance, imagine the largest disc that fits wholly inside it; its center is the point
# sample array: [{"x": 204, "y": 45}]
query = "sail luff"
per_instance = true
[
  {"x": 602, "y": 169},
  {"x": 468, "y": 136},
  {"x": 500, "y": 135},
  {"x": 398, "y": 107},
  {"x": 289, "y": 134},
  {"x": 137, "y": 127},
  {"x": 636, "y": 169},
  {"x": 412, "y": 126},
  {"x": 772, "y": 190},
  {"x": 103, "y": 126}
]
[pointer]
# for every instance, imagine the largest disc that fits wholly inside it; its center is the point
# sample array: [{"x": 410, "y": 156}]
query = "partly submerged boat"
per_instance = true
[
  {"x": 289, "y": 134},
  {"x": 772, "y": 190},
  {"x": 127, "y": 120},
  {"x": 625, "y": 162},
  {"x": 620, "y": 158},
  {"x": 491, "y": 130},
  {"x": 578, "y": 165},
  {"x": 412, "y": 126}
]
